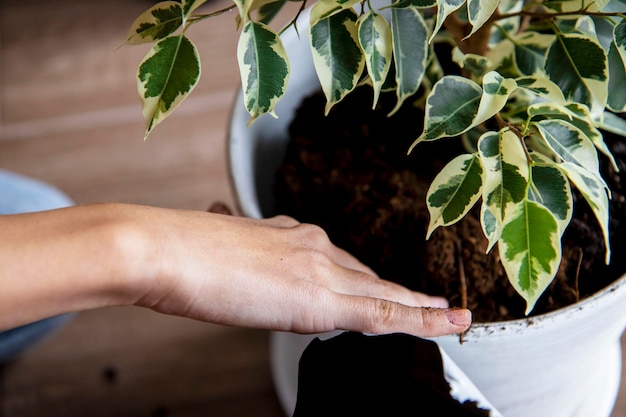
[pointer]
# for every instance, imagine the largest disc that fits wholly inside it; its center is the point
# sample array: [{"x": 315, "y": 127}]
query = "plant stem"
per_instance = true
[
  {"x": 541, "y": 15},
  {"x": 459, "y": 253},
  {"x": 200, "y": 17}
]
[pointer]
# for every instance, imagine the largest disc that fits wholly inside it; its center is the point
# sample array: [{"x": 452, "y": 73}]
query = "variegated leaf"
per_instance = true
[
  {"x": 551, "y": 188},
  {"x": 264, "y": 68},
  {"x": 508, "y": 25},
  {"x": 189, "y": 6},
  {"x": 410, "y": 51},
  {"x": 576, "y": 115},
  {"x": 619, "y": 38},
  {"x": 375, "y": 40},
  {"x": 582, "y": 119},
  {"x": 569, "y": 143},
  {"x": 479, "y": 11},
  {"x": 549, "y": 109},
  {"x": 578, "y": 65},
  {"x": 617, "y": 80},
  {"x": 564, "y": 6},
  {"x": 478, "y": 65},
  {"x": 506, "y": 172},
  {"x": 243, "y": 6},
  {"x": 594, "y": 190},
  {"x": 612, "y": 123},
  {"x": 444, "y": 9},
  {"x": 268, "y": 11},
  {"x": 496, "y": 92},
  {"x": 422, "y": 4},
  {"x": 542, "y": 87},
  {"x": 337, "y": 56},
  {"x": 530, "y": 250},
  {"x": 581, "y": 25},
  {"x": 156, "y": 23},
  {"x": 490, "y": 227},
  {"x": 450, "y": 108},
  {"x": 326, "y": 8},
  {"x": 530, "y": 50},
  {"x": 454, "y": 191},
  {"x": 166, "y": 76}
]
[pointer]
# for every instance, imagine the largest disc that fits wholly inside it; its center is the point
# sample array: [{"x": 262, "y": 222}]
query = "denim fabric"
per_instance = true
[{"x": 19, "y": 194}]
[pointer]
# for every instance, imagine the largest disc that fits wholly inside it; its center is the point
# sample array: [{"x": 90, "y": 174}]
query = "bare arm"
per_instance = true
[{"x": 275, "y": 273}]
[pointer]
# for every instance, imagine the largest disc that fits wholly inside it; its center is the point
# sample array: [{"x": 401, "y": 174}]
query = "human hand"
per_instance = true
[{"x": 279, "y": 274}]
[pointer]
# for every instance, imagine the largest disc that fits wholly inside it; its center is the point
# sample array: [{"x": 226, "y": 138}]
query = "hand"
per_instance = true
[{"x": 281, "y": 275}]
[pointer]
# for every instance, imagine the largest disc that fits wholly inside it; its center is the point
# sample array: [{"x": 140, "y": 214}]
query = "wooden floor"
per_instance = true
[{"x": 69, "y": 114}]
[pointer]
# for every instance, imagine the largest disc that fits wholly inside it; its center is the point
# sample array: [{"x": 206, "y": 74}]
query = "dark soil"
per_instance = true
[{"x": 351, "y": 175}]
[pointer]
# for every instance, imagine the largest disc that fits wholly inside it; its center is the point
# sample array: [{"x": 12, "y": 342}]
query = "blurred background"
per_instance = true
[{"x": 70, "y": 115}]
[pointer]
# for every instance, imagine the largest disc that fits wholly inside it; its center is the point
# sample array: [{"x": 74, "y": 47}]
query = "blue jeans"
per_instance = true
[{"x": 19, "y": 194}]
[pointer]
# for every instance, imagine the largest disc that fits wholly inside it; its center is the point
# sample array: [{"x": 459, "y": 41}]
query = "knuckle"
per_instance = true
[
  {"x": 384, "y": 315},
  {"x": 285, "y": 221}
]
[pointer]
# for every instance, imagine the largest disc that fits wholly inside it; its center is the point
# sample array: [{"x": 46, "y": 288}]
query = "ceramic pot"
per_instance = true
[{"x": 563, "y": 364}]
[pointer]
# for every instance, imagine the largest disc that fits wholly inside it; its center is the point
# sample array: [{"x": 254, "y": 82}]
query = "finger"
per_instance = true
[
  {"x": 344, "y": 258},
  {"x": 220, "y": 208},
  {"x": 351, "y": 282},
  {"x": 281, "y": 221},
  {"x": 376, "y": 316}
]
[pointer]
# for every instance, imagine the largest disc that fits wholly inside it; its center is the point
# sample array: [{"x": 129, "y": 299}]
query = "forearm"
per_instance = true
[
  {"x": 274, "y": 273},
  {"x": 71, "y": 259}
]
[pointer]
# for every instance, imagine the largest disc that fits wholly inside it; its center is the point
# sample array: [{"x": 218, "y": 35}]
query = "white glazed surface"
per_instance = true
[{"x": 564, "y": 364}]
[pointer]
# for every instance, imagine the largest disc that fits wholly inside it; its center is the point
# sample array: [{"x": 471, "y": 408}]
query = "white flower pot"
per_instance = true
[{"x": 563, "y": 364}]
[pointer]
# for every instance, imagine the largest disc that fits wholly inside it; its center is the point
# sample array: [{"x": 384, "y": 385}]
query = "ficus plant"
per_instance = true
[{"x": 537, "y": 84}]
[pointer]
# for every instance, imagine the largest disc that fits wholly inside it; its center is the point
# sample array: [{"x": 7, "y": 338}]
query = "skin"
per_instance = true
[{"x": 274, "y": 273}]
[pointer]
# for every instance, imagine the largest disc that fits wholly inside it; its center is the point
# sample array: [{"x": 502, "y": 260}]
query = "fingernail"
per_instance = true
[{"x": 459, "y": 317}]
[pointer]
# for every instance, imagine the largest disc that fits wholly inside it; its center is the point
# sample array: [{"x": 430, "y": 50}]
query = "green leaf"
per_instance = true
[
  {"x": 337, "y": 56},
  {"x": 578, "y": 64},
  {"x": 454, "y": 191},
  {"x": 530, "y": 250},
  {"x": 450, "y": 108},
  {"x": 410, "y": 50},
  {"x": 479, "y": 11},
  {"x": 375, "y": 40},
  {"x": 506, "y": 172},
  {"x": 551, "y": 188},
  {"x": 569, "y": 143},
  {"x": 167, "y": 74},
  {"x": 156, "y": 23},
  {"x": 594, "y": 190},
  {"x": 444, "y": 9},
  {"x": 264, "y": 68},
  {"x": 530, "y": 51},
  {"x": 617, "y": 80}
]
